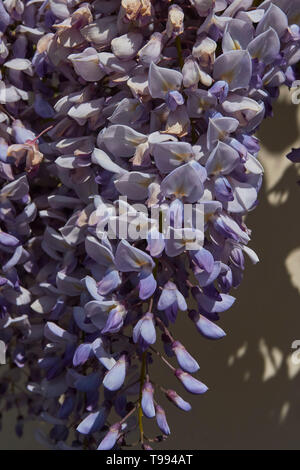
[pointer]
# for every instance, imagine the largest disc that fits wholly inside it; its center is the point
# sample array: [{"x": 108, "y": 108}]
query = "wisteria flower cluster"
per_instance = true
[{"x": 107, "y": 106}]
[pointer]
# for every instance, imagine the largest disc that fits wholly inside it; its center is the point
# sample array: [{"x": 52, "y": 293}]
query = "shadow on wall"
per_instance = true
[{"x": 254, "y": 397}]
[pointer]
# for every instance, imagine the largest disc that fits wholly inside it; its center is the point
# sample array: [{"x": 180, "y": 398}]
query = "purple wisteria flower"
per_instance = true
[{"x": 128, "y": 162}]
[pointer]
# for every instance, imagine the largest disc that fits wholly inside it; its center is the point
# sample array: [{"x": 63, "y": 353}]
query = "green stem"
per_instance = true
[
  {"x": 179, "y": 51},
  {"x": 142, "y": 379}
]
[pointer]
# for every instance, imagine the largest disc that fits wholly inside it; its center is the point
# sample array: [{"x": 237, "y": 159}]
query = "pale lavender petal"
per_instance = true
[
  {"x": 184, "y": 183},
  {"x": 169, "y": 155},
  {"x": 147, "y": 286},
  {"x": 156, "y": 243},
  {"x": 109, "y": 282},
  {"x": 185, "y": 360},
  {"x": 81, "y": 354},
  {"x": 274, "y": 18},
  {"x": 206, "y": 327},
  {"x": 147, "y": 329},
  {"x": 93, "y": 422},
  {"x": 129, "y": 258},
  {"x": 235, "y": 68},
  {"x": 161, "y": 80},
  {"x": 162, "y": 420},
  {"x": 265, "y": 47},
  {"x": 115, "y": 377},
  {"x": 191, "y": 384},
  {"x": 178, "y": 401},
  {"x": 147, "y": 400},
  {"x": 111, "y": 437},
  {"x": 115, "y": 320},
  {"x": 222, "y": 160}
]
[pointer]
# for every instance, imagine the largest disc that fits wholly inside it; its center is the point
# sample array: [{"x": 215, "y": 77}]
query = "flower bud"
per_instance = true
[
  {"x": 178, "y": 401},
  {"x": 147, "y": 400},
  {"x": 175, "y": 21},
  {"x": 144, "y": 331},
  {"x": 185, "y": 360},
  {"x": 111, "y": 437},
  {"x": 161, "y": 420},
  {"x": 206, "y": 327},
  {"x": 191, "y": 384},
  {"x": 115, "y": 377}
]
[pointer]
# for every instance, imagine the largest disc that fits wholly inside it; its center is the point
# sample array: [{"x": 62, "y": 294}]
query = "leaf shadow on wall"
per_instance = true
[{"x": 254, "y": 399}]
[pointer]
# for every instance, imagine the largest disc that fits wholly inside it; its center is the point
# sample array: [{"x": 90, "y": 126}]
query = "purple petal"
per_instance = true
[
  {"x": 109, "y": 282},
  {"x": 168, "y": 296},
  {"x": 93, "y": 422},
  {"x": 5, "y": 19},
  {"x": 137, "y": 331},
  {"x": 222, "y": 159},
  {"x": 235, "y": 68},
  {"x": 98, "y": 252},
  {"x": 8, "y": 240},
  {"x": 185, "y": 360},
  {"x": 87, "y": 65},
  {"x": 191, "y": 384},
  {"x": 212, "y": 305},
  {"x": 274, "y": 18},
  {"x": 115, "y": 320},
  {"x": 184, "y": 183},
  {"x": 204, "y": 259},
  {"x": 147, "y": 400},
  {"x": 82, "y": 354},
  {"x": 111, "y": 437},
  {"x": 174, "y": 99},
  {"x": 147, "y": 330},
  {"x": 14, "y": 259},
  {"x": 205, "y": 278},
  {"x": 134, "y": 185},
  {"x": 206, "y": 327},
  {"x": 162, "y": 421},
  {"x": 161, "y": 80},
  {"x": 265, "y": 47},
  {"x": 156, "y": 243},
  {"x": 125, "y": 47},
  {"x": 122, "y": 141},
  {"x": 115, "y": 377},
  {"x": 169, "y": 155},
  {"x": 220, "y": 128},
  {"x": 223, "y": 190},
  {"x": 244, "y": 197},
  {"x": 220, "y": 90},
  {"x": 129, "y": 258},
  {"x": 105, "y": 358},
  {"x": 178, "y": 401},
  {"x": 147, "y": 287}
]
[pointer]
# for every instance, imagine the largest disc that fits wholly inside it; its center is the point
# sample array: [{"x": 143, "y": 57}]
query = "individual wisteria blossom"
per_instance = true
[{"x": 107, "y": 106}]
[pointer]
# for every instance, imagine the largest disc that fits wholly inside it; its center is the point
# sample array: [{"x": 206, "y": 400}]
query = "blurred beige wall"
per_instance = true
[{"x": 254, "y": 396}]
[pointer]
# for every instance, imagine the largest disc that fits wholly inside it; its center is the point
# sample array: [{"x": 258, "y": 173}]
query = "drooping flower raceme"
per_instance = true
[{"x": 128, "y": 160}]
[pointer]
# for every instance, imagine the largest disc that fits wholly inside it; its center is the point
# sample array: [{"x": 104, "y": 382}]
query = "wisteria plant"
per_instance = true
[{"x": 125, "y": 114}]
